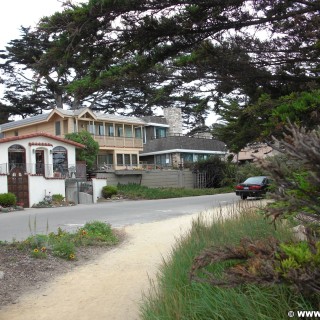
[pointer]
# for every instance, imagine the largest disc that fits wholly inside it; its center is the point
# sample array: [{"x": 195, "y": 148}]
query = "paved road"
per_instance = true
[{"x": 19, "y": 225}]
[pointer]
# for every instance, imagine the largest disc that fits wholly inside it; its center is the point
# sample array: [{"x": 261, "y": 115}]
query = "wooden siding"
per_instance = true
[{"x": 67, "y": 126}]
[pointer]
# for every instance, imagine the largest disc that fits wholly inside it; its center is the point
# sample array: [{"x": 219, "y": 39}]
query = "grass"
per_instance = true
[
  {"x": 135, "y": 191},
  {"x": 63, "y": 244},
  {"x": 173, "y": 296}
]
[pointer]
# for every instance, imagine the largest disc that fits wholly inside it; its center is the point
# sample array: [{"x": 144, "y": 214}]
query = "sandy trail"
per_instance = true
[
  {"x": 111, "y": 286},
  {"x": 108, "y": 288}
]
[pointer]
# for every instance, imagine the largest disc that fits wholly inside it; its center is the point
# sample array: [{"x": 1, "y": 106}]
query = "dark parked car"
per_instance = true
[{"x": 253, "y": 187}]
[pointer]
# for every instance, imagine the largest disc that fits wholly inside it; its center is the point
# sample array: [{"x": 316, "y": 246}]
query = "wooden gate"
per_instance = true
[
  {"x": 18, "y": 185},
  {"x": 200, "y": 180}
]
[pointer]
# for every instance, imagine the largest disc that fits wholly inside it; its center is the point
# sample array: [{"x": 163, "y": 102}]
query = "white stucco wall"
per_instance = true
[
  {"x": 39, "y": 187},
  {"x": 97, "y": 185},
  {"x": 30, "y": 150},
  {"x": 3, "y": 184}
]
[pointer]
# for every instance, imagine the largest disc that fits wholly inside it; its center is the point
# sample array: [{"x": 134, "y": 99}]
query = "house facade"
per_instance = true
[
  {"x": 120, "y": 138},
  {"x": 166, "y": 146},
  {"x": 124, "y": 142},
  {"x": 39, "y": 162}
]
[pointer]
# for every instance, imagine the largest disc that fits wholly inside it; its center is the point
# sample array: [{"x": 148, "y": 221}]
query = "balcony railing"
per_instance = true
[
  {"x": 120, "y": 142},
  {"x": 77, "y": 170}
]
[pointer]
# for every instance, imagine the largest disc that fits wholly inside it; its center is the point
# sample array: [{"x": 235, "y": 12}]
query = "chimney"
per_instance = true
[{"x": 174, "y": 119}]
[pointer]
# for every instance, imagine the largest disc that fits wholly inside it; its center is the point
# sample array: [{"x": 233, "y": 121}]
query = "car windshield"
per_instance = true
[{"x": 254, "y": 180}]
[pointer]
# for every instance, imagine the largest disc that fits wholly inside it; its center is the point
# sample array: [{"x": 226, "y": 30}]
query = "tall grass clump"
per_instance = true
[{"x": 174, "y": 296}]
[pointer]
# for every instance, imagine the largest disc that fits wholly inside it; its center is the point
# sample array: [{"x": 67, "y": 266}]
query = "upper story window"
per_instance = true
[
  {"x": 138, "y": 132},
  {"x": 160, "y": 132},
  {"x": 119, "y": 130},
  {"x": 90, "y": 127},
  {"x": 128, "y": 131},
  {"x": 110, "y": 130},
  {"x": 99, "y": 129},
  {"x": 57, "y": 126},
  {"x": 16, "y": 133}
]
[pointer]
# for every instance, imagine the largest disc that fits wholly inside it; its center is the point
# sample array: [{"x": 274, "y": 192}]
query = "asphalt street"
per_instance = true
[{"x": 19, "y": 225}]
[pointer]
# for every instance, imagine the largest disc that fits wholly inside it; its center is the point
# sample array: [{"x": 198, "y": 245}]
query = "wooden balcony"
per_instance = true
[{"x": 118, "y": 142}]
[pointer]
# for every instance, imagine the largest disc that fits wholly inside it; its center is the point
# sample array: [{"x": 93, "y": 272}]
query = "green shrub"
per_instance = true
[
  {"x": 247, "y": 170},
  {"x": 7, "y": 199},
  {"x": 64, "y": 249},
  {"x": 57, "y": 198},
  {"x": 109, "y": 191},
  {"x": 98, "y": 231}
]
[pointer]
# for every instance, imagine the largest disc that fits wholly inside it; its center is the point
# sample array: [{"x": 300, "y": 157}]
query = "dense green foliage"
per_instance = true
[
  {"x": 135, "y": 191},
  {"x": 297, "y": 174},
  {"x": 89, "y": 153},
  {"x": 175, "y": 294},
  {"x": 7, "y": 199},
  {"x": 109, "y": 191},
  {"x": 237, "y": 57}
]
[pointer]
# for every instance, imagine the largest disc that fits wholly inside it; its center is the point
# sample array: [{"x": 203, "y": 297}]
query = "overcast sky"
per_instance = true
[{"x": 16, "y": 13}]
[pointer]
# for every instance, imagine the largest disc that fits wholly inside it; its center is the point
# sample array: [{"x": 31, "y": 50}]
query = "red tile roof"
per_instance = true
[{"x": 42, "y": 134}]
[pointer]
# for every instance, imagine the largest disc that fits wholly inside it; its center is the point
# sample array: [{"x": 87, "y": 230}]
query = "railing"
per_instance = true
[
  {"x": 104, "y": 167},
  {"x": 114, "y": 141},
  {"x": 47, "y": 170}
]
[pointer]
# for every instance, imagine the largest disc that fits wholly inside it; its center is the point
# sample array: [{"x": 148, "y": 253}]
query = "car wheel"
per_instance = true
[{"x": 243, "y": 197}]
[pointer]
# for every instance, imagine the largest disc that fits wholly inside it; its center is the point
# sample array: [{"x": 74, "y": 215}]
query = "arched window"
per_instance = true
[
  {"x": 60, "y": 159},
  {"x": 17, "y": 156}
]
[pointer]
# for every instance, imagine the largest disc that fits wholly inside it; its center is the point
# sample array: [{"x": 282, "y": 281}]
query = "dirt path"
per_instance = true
[{"x": 111, "y": 286}]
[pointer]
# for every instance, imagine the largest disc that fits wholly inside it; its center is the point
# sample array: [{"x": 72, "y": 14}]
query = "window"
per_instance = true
[
  {"x": 137, "y": 132},
  {"x": 60, "y": 159},
  {"x": 110, "y": 130},
  {"x": 134, "y": 160},
  {"x": 161, "y": 159},
  {"x": 58, "y": 128},
  {"x": 105, "y": 159},
  {"x": 17, "y": 156},
  {"x": 120, "y": 159},
  {"x": 127, "y": 160},
  {"x": 128, "y": 131},
  {"x": 90, "y": 127},
  {"x": 100, "y": 129},
  {"x": 16, "y": 133},
  {"x": 160, "y": 132},
  {"x": 119, "y": 130},
  {"x": 187, "y": 157}
]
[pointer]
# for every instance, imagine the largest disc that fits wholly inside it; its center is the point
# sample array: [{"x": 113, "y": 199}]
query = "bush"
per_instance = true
[
  {"x": 7, "y": 199},
  {"x": 247, "y": 170},
  {"x": 64, "y": 249},
  {"x": 58, "y": 198},
  {"x": 109, "y": 191}
]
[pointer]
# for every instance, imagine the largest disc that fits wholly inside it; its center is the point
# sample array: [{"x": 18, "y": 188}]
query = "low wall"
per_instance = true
[
  {"x": 97, "y": 185},
  {"x": 153, "y": 178},
  {"x": 3, "y": 184},
  {"x": 39, "y": 187}
]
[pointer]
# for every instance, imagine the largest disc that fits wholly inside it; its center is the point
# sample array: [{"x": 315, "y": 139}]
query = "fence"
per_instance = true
[{"x": 77, "y": 170}]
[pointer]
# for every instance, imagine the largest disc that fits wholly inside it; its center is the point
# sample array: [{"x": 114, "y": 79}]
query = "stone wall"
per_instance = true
[{"x": 174, "y": 119}]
